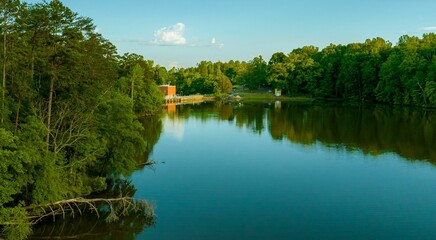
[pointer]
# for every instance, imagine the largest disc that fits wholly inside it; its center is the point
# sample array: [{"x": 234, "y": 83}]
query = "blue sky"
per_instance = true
[{"x": 183, "y": 33}]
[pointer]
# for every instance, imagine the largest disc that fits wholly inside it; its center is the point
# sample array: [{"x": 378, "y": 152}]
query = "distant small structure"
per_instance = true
[
  {"x": 168, "y": 90},
  {"x": 171, "y": 96},
  {"x": 278, "y": 92}
]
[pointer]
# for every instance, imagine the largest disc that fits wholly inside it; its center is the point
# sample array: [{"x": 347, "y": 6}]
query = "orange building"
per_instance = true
[{"x": 168, "y": 90}]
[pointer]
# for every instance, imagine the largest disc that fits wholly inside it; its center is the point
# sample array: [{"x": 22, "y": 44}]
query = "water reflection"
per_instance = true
[
  {"x": 152, "y": 130},
  {"x": 89, "y": 226},
  {"x": 409, "y": 132},
  {"x": 374, "y": 130}
]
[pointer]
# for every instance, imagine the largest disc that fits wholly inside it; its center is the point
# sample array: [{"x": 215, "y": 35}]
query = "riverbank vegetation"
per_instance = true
[
  {"x": 372, "y": 71},
  {"x": 69, "y": 111}
]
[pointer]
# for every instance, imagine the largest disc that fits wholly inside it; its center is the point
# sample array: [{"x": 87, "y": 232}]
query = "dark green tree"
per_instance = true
[{"x": 255, "y": 75}]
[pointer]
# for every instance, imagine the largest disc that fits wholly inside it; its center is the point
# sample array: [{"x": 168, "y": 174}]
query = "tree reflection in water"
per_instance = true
[
  {"x": 89, "y": 226},
  {"x": 409, "y": 132}
]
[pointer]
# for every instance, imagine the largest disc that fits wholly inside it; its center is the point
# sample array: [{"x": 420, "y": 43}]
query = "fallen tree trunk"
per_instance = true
[{"x": 112, "y": 207}]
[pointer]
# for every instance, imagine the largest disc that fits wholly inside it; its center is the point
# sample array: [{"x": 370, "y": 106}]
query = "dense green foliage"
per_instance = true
[
  {"x": 370, "y": 71},
  {"x": 206, "y": 78},
  {"x": 69, "y": 107}
]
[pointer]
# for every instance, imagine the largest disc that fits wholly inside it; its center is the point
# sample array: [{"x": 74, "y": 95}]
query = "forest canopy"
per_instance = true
[
  {"x": 372, "y": 71},
  {"x": 69, "y": 109}
]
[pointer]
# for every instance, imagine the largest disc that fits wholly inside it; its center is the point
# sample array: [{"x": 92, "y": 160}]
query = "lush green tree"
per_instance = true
[
  {"x": 230, "y": 71},
  {"x": 278, "y": 71},
  {"x": 8, "y": 18},
  {"x": 121, "y": 136},
  {"x": 13, "y": 163},
  {"x": 161, "y": 74},
  {"x": 149, "y": 99},
  {"x": 74, "y": 122},
  {"x": 303, "y": 71},
  {"x": 350, "y": 76},
  {"x": 203, "y": 68},
  {"x": 140, "y": 84},
  {"x": 330, "y": 62},
  {"x": 223, "y": 84},
  {"x": 255, "y": 75},
  {"x": 375, "y": 53},
  {"x": 404, "y": 75}
]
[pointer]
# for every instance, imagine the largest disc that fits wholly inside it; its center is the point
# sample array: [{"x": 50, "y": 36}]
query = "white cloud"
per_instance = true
[
  {"x": 215, "y": 43},
  {"x": 432, "y": 28},
  {"x": 172, "y": 35}
]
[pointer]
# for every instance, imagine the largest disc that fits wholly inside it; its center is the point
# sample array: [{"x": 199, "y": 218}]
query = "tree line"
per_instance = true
[
  {"x": 373, "y": 71},
  {"x": 69, "y": 109}
]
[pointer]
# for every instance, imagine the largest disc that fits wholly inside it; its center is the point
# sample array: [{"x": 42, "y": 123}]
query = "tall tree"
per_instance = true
[
  {"x": 330, "y": 61},
  {"x": 137, "y": 78},
  {"x": 256, "y": 73},
  {"x": 278, "y": 71},
  {"x": 303, "y": 70},
  {"x": 8, "y": 15},
  {"x": 223, "y": 84}
]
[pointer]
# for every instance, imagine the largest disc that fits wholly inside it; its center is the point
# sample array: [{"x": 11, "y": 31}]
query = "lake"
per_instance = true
[{"x": 288, "y": 171}]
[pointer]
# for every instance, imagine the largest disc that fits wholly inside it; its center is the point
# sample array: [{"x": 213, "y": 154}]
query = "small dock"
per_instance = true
[{"x": 184, "y": 99}]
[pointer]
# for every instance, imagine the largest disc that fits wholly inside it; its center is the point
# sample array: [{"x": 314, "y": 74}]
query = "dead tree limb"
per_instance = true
[{"x": 117, "y": 206}]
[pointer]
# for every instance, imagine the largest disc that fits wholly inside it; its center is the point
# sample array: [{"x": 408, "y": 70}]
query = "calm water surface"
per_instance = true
[
  {"x": 283, "y": 171},
  {"x": 288, "y": 171}
]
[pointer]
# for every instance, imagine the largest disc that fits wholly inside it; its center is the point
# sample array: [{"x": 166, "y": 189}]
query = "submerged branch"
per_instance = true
[{"x": 113, "y": 206}]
